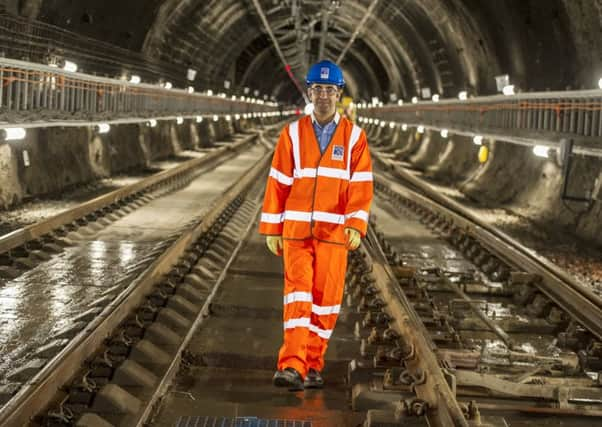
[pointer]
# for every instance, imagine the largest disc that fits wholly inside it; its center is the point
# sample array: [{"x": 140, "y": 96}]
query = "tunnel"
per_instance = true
[{"x": 495, "y": 105}]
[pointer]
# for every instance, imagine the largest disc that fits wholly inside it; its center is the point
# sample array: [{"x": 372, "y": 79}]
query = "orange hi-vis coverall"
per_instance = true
[{"x": 310, "y": 199}]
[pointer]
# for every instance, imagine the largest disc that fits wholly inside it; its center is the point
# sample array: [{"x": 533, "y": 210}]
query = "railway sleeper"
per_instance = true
[{"x": 149, "y": 338}]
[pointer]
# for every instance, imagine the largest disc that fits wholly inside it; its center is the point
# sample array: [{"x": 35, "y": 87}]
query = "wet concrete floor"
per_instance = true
[
  {"x": 40, "y": 305},
  {"x": 233, "y": 355}
]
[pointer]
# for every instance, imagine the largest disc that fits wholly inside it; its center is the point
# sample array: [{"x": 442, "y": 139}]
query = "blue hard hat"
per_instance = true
[{"x": 325, "y": 72}]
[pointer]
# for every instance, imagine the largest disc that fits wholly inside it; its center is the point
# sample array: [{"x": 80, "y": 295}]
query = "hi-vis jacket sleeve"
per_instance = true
[
  {"x": 278, "y": 186},
  {"x": 359, "y": 192}
]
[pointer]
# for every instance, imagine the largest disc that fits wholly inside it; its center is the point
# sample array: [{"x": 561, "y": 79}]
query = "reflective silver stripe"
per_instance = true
[
  {"x": 300, "y": 322},
  {"x": 329, "y": 217},
  {"x": 293, "y": 133},
  {"x": 361, "y": 176},
  {"x": 297, "y": 216},
  {"x": 353, "y": 138},
  {"x": 305, "y": 173},
  {"x": 297, "y": 297},
  {"x": 325, "y": 310},
  {"x": 333, "y": 173},
  {"x": 317, "y": 216},
  {"x": 280, "y": 177},
  {"x": 363, "y": 215},
  {"x": 322, "y": 333},
  {"x": 272, "y": 218}
]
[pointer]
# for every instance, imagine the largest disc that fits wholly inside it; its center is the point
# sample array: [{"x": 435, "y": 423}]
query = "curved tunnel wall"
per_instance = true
[
  {"x": 447, "y": 45},
  {"x": 62, "y": 158}
]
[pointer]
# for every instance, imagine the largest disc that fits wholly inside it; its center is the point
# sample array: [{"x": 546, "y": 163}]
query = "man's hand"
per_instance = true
[
  {"x": 274, "y": 244},
  {"x": 353, "y": 238}
]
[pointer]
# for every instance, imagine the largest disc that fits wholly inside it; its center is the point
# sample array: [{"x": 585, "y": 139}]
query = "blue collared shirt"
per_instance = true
[{"x": 324, "y": 133}]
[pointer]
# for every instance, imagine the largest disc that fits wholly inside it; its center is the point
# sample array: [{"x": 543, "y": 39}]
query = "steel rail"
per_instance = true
[
  {"x": 569, "y": 294},
  {"x": 442, "y": 407},
  {"x": 35, "y": 396},
  {"x": 23, "y": 235},
  {"x": 203, "y": 314}
]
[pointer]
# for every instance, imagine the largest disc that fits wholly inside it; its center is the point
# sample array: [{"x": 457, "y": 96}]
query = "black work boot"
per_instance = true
[
  {"x": 313, "y": 379},
  {"x": 288, "y": 377}
]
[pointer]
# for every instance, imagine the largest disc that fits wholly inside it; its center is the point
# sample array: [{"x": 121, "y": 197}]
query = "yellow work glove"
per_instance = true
[
  {"x": 274, "y": 244},
  {"x": 353, "y": 238}
]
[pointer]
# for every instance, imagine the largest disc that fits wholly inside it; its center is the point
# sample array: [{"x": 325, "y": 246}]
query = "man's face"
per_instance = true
[{"x": 324, "y": 97}]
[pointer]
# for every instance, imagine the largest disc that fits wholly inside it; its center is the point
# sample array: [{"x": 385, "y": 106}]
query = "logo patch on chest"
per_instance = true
[{"x": 337, "y": 152}]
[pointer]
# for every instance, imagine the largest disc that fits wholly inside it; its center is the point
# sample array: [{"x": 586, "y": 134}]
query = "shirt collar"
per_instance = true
[{"x": 336, "y": 119}]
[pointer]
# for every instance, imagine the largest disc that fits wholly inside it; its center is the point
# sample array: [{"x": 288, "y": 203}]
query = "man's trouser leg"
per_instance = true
[
  {"x": 330, "y": 264},
  {"x": 298, "y": 258}
]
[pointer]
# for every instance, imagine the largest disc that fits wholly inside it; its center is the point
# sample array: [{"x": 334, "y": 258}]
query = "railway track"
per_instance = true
[
  {"x": 445, "y": 323},
  {"x": 82, "y": 241}
]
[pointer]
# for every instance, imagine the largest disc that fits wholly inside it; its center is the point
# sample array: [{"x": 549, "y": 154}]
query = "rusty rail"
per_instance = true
[
  {"x": 441, "y": 406},
  {"x": 568, "y": 293},
  {"x": 39, "y": 392},
  {"x": 23, "y": 235}
]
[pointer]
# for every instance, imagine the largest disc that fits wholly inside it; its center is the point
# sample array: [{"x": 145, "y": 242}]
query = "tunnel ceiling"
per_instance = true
[{"x": 387, "y": 49}]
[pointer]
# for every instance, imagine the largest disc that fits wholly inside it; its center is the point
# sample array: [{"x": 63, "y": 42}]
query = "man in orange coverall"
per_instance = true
[{"x": 316, "y": 206}]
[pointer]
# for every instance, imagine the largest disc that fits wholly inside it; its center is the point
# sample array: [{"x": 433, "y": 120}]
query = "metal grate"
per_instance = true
[{"x": 203, "y": 421}]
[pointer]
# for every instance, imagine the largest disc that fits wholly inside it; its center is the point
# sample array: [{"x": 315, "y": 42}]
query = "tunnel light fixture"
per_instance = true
[
  {"x": 168, "y": 85},
  {"x": 152, "y": 123},
  {"x": 420, "y": 129},
  {"x": 70, "y": 66},
  {"x": 383, "y": 124},
  {"x": 404, "y": 127},
  {"x": 400, "y": 102},
  {"x": 477, "y": 140},
  {"x": 179, "y": 120},
  {"x": 391, "y": 125},
  {"x": 103, "y": 128},
  {"x": 376, "y": 121},
  {"x": 508, "y": 90},
  {"x": 502, "y": 81},
  {"x": 541, "y": 151},
  {"x": 237, "y": 117},
  {"x": 435, "y": 98},
  {"x": 215, "y": 117},
  {"x": 600, "y": 83},
  {"x": 209, "y": 92},
  {"x": 370, "y": 121},
  {"x": 135, "y": 79},
  {"x": 309, "y": 108},
  {"x": 14, "y": 134},
  {"x": 414, "y": 100},
  {"x": 233, "y": 97},
  {"x": 199, "y": 119},
  {"x": 444, "y": 133},
  {"x": 463, "y": 96},
  {"x": 191, "y": 74},
  {"x": 190, "y": 89},
  {"x": 228, "y": 117}
]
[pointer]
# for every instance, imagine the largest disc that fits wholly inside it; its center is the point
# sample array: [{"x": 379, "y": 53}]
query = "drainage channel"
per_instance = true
[
  {"x": 128, "y": 309},
  {"x": 467, "y": 336}
]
